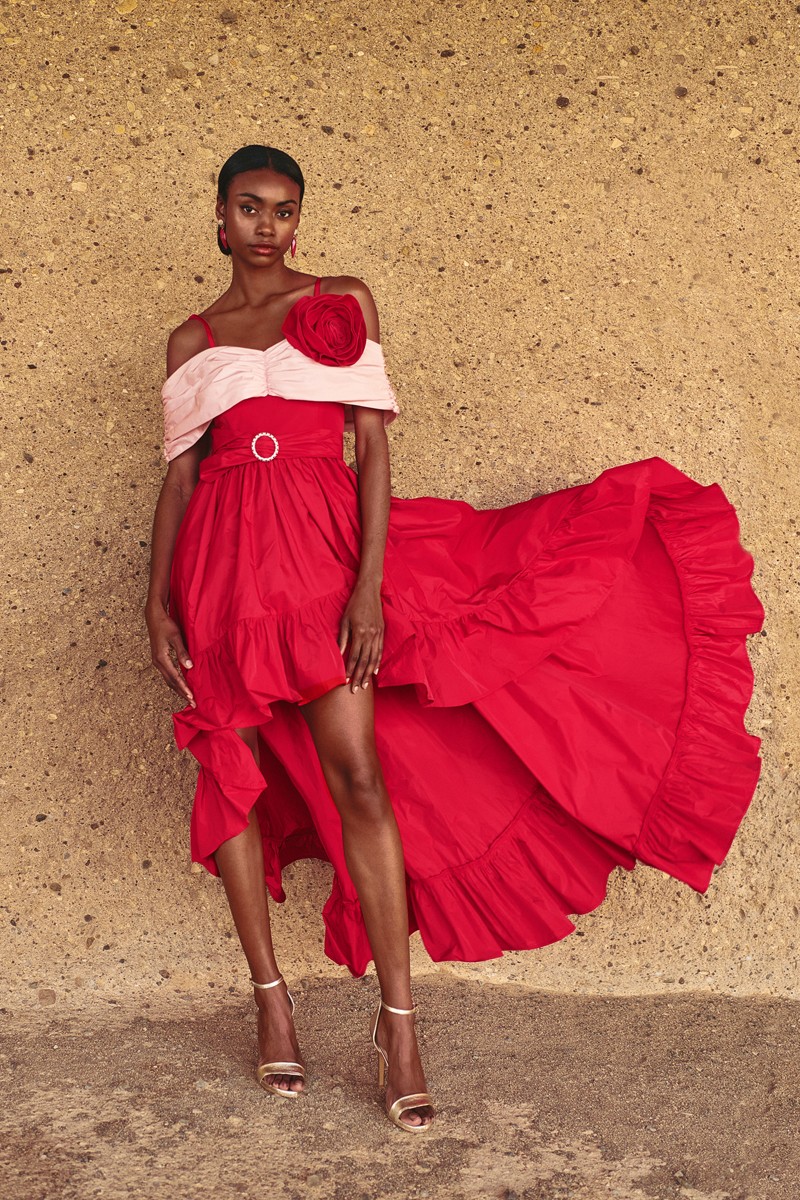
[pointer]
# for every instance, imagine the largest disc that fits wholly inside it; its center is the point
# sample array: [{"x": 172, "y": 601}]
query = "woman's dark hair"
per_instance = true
[{"x": 257, "y": 158}]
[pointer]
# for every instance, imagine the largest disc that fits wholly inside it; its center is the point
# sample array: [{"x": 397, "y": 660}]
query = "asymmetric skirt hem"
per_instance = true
[{"x": 576, "y": 705}]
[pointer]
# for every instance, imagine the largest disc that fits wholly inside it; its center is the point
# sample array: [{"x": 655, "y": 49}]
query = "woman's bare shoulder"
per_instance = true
[
  {"x": 186, "y": 340},
  {"x": 352, "y": 285},
  {"x": 340, "y": 284}
]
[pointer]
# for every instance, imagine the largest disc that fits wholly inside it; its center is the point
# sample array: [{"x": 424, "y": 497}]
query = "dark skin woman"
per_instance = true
[{"x": 260, "y": 216}]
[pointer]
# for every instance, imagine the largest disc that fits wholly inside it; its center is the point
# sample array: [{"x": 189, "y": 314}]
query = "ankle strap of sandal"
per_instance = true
[
  {"x": 274, "y": 983},
  {"x": 402, "y": 1011}
]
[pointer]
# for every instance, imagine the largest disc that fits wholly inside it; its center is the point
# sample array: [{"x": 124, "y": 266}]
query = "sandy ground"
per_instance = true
[{"x": 540, "y": 1097}]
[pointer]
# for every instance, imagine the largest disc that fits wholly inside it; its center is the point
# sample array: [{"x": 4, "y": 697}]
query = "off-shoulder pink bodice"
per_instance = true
[{"x": 220, "y": 376}]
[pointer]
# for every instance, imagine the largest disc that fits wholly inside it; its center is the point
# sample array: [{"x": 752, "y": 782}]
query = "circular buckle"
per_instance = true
[{"x": 270, "y": 457}]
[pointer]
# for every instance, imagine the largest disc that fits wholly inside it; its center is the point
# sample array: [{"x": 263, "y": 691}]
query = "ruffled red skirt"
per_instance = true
[{"x": 562, "y": 689}]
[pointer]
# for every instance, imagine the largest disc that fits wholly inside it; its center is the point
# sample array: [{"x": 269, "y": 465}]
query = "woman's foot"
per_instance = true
[
  {"x": 396, "y": 1034},
  {"x": 277, "y": 1040}
]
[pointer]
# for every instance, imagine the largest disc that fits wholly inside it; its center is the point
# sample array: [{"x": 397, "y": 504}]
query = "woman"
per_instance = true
[{"x": 558, "y": 686}]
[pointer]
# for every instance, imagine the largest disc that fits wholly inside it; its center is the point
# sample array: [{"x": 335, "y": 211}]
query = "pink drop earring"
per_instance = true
[
  {"x": 293, "y": 246},
  {"x": 222, "y": 238}
]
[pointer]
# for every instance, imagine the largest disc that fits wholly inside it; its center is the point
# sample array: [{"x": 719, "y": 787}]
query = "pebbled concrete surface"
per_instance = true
[
  {"x": 578, "y": 221},
  {"x": 540, "y": 1097}
]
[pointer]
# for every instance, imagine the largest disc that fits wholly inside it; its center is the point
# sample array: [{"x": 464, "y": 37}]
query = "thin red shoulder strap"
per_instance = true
[
  {"x": 317, "y": 282},
  {"x": 206, "y": 326}
]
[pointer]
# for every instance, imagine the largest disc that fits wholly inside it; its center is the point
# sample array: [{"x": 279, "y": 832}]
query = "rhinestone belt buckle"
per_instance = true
[{"x": 262, "y": 457}]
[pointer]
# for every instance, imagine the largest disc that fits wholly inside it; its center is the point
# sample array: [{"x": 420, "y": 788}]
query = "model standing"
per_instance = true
[{"x": 474, "y": 715}]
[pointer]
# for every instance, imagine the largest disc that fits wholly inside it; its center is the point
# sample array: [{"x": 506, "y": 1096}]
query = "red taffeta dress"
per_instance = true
[{"x": 563, "y": 682}]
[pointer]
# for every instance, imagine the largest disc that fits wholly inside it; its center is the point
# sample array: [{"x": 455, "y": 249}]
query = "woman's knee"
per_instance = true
[{"x": 361, "y": 790}]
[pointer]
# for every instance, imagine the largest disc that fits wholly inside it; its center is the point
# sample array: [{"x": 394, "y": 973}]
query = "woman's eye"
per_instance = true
[
  {"x": 285, "y": 212},
  {"x": 247, "y": 208}
]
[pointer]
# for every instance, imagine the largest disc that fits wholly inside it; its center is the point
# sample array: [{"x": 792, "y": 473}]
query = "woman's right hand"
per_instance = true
[{"x": 168, "y": 651}]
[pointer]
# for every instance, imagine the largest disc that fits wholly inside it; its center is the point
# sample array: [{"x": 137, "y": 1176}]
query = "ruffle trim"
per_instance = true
[
  {"x": 290, "y": 656},
  {"x": 229, "y": 784},
  {"x": 221, "y": 810},
  {"x": 711, "y": 777},
  {"x": 514, "y": 896}
]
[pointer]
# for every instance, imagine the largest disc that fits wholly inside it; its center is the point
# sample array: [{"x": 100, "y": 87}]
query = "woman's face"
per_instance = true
[{"x": 260, "y": 215}]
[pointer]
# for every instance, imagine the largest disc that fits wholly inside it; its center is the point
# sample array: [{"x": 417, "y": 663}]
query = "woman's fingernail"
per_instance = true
[
  {"x": 188, "y": 663},
  {"x": 365, "y": 684},
  {"x": 347, "y": 680}
]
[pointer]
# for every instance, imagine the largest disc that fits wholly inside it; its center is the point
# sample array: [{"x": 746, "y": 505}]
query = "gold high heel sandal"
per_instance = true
[
  {"x": 278, "y": 1068},
  {"x": 402, "y": 1103}
]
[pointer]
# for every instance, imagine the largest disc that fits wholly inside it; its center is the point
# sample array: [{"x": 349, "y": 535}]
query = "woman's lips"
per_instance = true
[{"x": 263, "y": 249}]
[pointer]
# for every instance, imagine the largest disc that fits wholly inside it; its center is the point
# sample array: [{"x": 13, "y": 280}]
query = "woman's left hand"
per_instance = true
[{"x": 362, "y": 623}]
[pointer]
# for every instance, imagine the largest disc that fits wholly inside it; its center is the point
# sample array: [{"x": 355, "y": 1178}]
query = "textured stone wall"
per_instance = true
[{"x": 579, "y": 223}]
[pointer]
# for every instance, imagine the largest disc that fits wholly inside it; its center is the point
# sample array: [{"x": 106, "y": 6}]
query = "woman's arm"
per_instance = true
[
  {"x": 363, "y": 617},
  {"x": 165, "y": 636},
  {"x": 374, "y": 491},
  {"x": 176, "y": 491}
]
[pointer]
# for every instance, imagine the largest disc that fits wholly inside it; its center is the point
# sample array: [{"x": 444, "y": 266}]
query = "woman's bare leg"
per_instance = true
[
  {"x": 342, "y": 726},
  {"x": 241, "y": 865}
]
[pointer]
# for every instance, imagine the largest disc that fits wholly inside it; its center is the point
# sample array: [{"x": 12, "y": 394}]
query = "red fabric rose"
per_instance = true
[{"x": 328, "y": 328}]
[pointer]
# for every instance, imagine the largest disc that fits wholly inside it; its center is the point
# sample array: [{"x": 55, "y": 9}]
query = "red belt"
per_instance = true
[{"x": 263, "y": 447}]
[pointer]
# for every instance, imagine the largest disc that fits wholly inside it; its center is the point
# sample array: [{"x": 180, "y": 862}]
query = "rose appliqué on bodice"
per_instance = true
[{"x": 328, "y": 328}]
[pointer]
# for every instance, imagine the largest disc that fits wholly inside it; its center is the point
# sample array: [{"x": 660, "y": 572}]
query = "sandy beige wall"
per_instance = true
[{"x": 579, "y": 222}]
